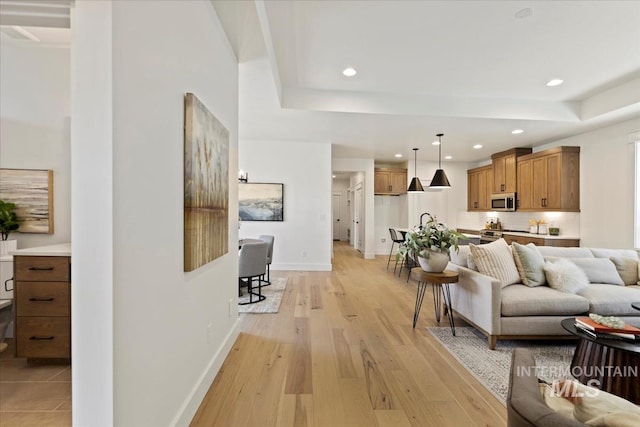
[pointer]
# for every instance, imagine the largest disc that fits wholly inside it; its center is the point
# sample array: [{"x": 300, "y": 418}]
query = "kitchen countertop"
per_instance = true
[
  {"x": 541, "y": 236},
  {"x": 63, "y": 249}
]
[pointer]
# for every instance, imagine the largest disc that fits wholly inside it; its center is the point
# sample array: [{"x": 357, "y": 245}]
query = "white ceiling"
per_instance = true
[{"x": 469, "y": 69}]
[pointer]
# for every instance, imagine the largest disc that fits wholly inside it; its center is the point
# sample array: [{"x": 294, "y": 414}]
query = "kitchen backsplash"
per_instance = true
[{"x": 567, "y": 222}]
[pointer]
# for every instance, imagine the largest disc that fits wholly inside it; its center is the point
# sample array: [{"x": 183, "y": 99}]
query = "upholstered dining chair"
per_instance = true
[
  {"x": 394, "y": 239},
  {"x": 268, "y": 239},
  {"x": 252, "y": 264}
]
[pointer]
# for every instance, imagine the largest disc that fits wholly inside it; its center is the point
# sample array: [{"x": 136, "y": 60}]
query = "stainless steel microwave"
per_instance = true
[{"x": 503, "y": 202}]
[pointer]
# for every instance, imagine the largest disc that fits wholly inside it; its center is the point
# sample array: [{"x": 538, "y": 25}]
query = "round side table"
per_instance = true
[{"x": 440, "y": 287}]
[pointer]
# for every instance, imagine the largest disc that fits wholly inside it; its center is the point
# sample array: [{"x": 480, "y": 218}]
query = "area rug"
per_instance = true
[
  {"x": 271, "y": 304},
  {"x": 491, "y": 367}
]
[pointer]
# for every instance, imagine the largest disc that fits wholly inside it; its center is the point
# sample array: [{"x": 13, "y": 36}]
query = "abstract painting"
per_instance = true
[
  {"x": 261, "y": 202},
  {"x": 206, "y": 185},
  {"x": 32, "y": 192}
]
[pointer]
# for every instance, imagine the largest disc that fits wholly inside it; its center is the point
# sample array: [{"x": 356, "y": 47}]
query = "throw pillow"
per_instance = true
[
  {"x": 530, "y": 264},
  {"x": 565, "y": 276},
  {"x": 599, "y": 270},
  {"x": 615, "y": 419},
  {"x": 496, "y": 260},
  {"x": 593, "y": 404},
  {"x": 472, "y": 265},
  {"x": 627, "y": 269},
  {"x": 555, "y": 401}
]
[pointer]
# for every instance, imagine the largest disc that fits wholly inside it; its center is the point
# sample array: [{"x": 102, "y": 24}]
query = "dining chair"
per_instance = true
[
  {"x": 268, "y": 239},
  {"x": 252, "y": 264},
  {"x": 394, "y": 239}
]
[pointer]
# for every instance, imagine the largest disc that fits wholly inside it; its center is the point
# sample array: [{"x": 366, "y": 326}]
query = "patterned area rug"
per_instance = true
[
  {"x": 491, "y": 367},
  {"x": 271, "y": 304}
]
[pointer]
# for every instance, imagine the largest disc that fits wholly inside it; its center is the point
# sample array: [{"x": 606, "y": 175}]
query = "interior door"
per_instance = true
[
  {"x": 358, "y": 225},
  {"x": 337, "y": 216}
]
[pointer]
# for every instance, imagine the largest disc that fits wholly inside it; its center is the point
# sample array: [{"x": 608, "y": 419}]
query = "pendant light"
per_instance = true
[
  {"x": 440, "y": 178},
  {"x": 415, "y": 185}
]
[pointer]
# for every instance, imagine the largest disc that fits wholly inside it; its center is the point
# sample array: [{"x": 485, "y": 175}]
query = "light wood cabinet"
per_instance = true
[
  {"x": 42, "y": 306},
  {"x": 390, "y": 181},
  {"x": 479, "y": 186},
  {"x": 540, "y": 240},
  {"x": 505, "y": 171},
  {"x": 549, "y": 180}
]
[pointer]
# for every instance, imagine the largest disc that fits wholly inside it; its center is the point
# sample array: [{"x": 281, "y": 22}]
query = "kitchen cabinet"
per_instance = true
[
  {"x": 505, "y": 171},
  {"x": 390, "y": 181},
  {"x": 479, "y": 186},
  {"x": 549, "y": 180},
  {"x": 42, "y": 306},
  {"x": 540, "y": 240}
]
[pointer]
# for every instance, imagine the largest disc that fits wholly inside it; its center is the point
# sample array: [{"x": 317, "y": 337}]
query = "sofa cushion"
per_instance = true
[
  {"x": 496, "y": 260},
  {"x": 627, "y": 269},
  {"x": 552, "y": 251},
  {"x": 459, "y": 257},
  {"x": 565, "y": 276},
  {"x": 608, "y": 253},
  {"x": 530, "y": 264},
  {"x": 609, "y": 300},
  {"x": 521, "y": 300},
  {"x": 599, "y": 270}
]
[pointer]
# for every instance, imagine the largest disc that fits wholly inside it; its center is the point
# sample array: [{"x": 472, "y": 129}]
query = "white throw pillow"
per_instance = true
[
  {"x": 565, "y": 276},
  {"x": 496, "y": 260},
  {"x": 599, "y": 270},
  {"x": 594, "y": 404}
]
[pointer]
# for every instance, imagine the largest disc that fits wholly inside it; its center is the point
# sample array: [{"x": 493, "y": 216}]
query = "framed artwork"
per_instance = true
[
  {"x": 206, "y": 185},
  {"x": 261, "y": 201},
  {"x": 32, "y": 192}
]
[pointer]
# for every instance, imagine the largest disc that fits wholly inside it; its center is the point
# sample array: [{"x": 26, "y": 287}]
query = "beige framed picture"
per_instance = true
[{"x": 32, "y": 192}]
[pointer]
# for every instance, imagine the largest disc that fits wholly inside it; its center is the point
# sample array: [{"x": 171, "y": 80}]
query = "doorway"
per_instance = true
[{"x": 336, "y": 207}]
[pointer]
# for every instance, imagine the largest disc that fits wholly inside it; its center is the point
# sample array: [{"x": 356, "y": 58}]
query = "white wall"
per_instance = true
[
  {"x": 34, "y": 125},
  {"x": 607, "y": 173},
  {"x": 303, "y": 241},
  {"x": 167, "y": 333}
]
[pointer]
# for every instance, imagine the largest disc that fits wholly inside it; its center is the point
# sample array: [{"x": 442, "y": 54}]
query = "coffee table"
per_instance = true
[
  {"x": 440, "y": 283},
  {"x": 610, "y": 365}
]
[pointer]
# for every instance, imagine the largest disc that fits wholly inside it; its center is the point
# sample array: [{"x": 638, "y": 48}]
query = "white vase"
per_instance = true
[
  {"x": 7, "y": 246},
  {"x": 435, "y": 263}
]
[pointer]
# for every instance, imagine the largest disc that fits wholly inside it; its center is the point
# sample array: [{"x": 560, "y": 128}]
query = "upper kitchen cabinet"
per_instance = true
[
  {"x": 504, "y": 169},
  {"x": 390, "y": 181},
  {"x": 549, "y": 180},
  {"x": 479, "y": 186}
]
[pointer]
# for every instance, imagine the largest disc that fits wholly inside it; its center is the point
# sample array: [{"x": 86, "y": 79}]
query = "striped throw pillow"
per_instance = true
[{"x": 496, "y": 260}]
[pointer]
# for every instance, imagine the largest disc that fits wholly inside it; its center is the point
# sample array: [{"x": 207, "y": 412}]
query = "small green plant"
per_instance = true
[
  {"x": 8, "y": 219},
  {"x": 433, "y": 236}
]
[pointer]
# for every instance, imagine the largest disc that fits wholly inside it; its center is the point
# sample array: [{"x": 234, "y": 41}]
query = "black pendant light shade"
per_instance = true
[
  {"x": 440, "y": 179},
  {"x": 415, "y": 184}
]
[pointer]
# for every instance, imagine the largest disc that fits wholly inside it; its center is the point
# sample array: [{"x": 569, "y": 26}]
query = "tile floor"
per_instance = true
[{"x": 34, "y": 394}]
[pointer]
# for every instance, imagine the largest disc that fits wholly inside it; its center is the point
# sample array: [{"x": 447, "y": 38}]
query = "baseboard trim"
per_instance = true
[
  {"x": 301, "y": 267},
  {"x": 194, "y": 399}
]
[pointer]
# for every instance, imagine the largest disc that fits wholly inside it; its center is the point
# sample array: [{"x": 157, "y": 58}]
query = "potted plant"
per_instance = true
[
  {"x": 429, "y": 244},
  {"x": 8, "y": 223}
]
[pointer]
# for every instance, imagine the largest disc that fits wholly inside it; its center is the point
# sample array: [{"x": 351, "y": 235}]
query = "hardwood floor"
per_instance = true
[{"x": 342, "y": 352}]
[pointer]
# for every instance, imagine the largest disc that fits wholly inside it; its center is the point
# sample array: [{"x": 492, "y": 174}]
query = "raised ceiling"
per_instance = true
[{"x": 473, "y": 70}]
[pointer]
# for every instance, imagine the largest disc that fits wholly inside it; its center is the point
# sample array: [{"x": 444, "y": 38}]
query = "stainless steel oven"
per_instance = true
[{"x": 488, "y": 236}]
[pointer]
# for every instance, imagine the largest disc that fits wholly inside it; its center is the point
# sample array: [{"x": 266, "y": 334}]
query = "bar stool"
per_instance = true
[{"x": 394, "y": 239}]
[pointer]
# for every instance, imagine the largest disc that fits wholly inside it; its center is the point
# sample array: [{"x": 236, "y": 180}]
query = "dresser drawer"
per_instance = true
[
  {"x": 43, "y": 337},
  {"x": 42, "y": 268},
  {"x": 43, "y": 299}
]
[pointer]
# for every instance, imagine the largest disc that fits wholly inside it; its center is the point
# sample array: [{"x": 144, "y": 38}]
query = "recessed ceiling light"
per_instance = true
[
  {"x": 477, "y": 146},
  {"x": 333, "y": 176},
  {"x": 448, "y": 157},
  {"x": 349, "y": 72},
  {"x": 435, "y": 143},
  {"x": 517, "y": 131},
  {"x": 554, "y": 82},
  {"x": 398, "y": 155}
]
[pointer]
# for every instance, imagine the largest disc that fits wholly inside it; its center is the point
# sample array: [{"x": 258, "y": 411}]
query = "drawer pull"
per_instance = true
[
  {"x": 41, "y": 299},
  {"x": 41, "y": 338},
  {"x": 40, "y": 268}
]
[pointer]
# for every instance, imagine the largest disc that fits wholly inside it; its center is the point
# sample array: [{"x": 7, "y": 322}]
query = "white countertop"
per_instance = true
[
  {"x": 63, "y": 249},
  {"x": 541, "y": 236}
]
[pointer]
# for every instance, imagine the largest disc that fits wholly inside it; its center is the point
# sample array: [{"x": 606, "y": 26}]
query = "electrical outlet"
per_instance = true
[{"x": 383, "y": 240}]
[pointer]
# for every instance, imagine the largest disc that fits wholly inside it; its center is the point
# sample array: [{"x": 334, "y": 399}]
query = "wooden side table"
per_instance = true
[{"x": 441, "y": 282}]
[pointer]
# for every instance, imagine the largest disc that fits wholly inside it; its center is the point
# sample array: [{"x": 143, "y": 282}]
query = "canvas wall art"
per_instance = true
[
  {"x": 206, "y": 185},
  {"x": 32, "y": 192},
  {"x": 261, "y": 202}
]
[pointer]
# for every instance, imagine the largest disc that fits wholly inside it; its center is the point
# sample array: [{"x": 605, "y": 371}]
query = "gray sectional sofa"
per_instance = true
[{"x": 518, "y": 311}]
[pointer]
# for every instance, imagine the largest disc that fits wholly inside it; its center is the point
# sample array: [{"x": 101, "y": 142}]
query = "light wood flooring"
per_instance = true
[
  {"x": 342, "y": 352},
  {"x": 33, "y": 394}
]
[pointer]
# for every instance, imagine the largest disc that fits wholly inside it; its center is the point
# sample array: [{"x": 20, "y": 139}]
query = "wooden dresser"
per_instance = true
[{"x": 43, "y": 302}]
